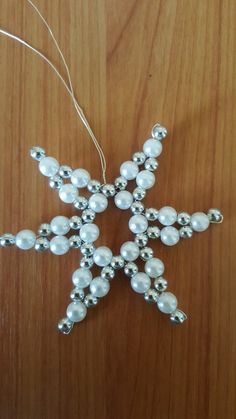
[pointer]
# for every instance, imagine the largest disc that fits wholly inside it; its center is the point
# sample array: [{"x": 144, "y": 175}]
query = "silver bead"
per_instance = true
[
  {"x": 55, "y": 182},
  {"x": 215, "y": 215},
  {"x": 130, "y": 269},
  {"x": 160, "y": 284},
  {"x": 139, "y": 194},
  {"x": 151, "y": 214},
  {"x": 159, "y": 132},
  {"x": 75, "y": 242},
  {"x": 151, "y": 164},
  {"x": 117, "y": 262},
  {"x": 107, "y": 272},
  {"x": 81, "y": 203},
  {"x": 183, "y": 218},
  {"x": 146, "y": 253},
  {"x": 108, "y": 190},
  {"x": 86, "y": 262},
  {"x": 141, "y": 239},
  {"x": 139, "y": 157},
  {"x": 65, "y": 326},
  {"x": 120, "y": 183},
  {"x": 185, "y": 232},
  {"x": 153, "y": 232},
  {"x": 151, "y": 296},
  {"x": 77, "y": 294},
  {"x": 87, "y": 249},
  {"x": 94, "y": 186},
  {"x": 178, "y": 317},
  {"x": 90, "y": 301},
  {"x": 44, "y": 230},
  {"x": 88, "y": 216},
  {"x": 41, "y": 244},
  {"x": 137, "y": 207},
  {"x": 37, "y": 153},
  {"x": 65, "y": 171},
  {"x": 75, "y": 222},
  {"x": 7, "y": 240}
]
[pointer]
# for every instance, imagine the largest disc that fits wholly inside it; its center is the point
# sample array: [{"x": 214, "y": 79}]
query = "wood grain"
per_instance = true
[{"x": 133, "y": 63}]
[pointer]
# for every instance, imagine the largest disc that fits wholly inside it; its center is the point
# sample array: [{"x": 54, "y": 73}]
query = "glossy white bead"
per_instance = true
[
  {"x": 138, "y": 224},
  {"x": 167, "y": 302},
  {"x": 102, "y": 256},
  {"x": 60, "y": 225},
  {"x": 89, "y": 233},
  {"x": 98, "y": 202},
  {"x": 48, "y": 166},
  {"x": 59, "y": 245},
  {"x": 167, "y": 216},
  {"x": 80, "y": 178},
  {"x": 68, "y": 193},
  {"x": 199, "y": 221},
  {"x": 140, "y": 282},
  {"x": 76, "y": 311},
  {"x": 129, "y": 251},
  {"x": 145, "y": 179},
  {"x": 129, "y": 170},
  {"x": 82, "y": 277},
  {"x": 25, "y": 239},
  {"x": 169, "y": 236},
  {"x": 123, "y": 200},
  {"x": 152, "y": 148},
  {"x": 154, "y": 267},
  {"x": 99, "y": 287}
]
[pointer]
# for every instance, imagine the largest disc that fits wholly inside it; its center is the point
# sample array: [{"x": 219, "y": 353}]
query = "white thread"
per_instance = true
[{"x": 69, "y": 88}]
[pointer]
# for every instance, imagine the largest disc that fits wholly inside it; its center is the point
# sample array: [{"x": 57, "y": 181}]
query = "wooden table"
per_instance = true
[{"x": 133, "y": 63}]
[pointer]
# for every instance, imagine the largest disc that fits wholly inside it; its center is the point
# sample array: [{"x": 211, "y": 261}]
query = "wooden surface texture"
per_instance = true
[{"x": 133, "y": 63}]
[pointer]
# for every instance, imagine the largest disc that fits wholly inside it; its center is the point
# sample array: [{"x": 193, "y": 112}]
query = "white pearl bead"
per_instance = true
[
  {"x": 49, "y": 166},
  {"x": 59, "y": 245},
  {"x": 140, "y": 282},
  {"x": 123, "y": 200},
  {"x": 152, "y": 148},
  {"x": 68, "y": 193},
  {"x": 129, "y": 251},
  {"x": 167, "y": 302},
  {"x": 129, "y": 170},
  {"x": 98, "y": 202},
  {"x": 169, "y": 236},
  {"x": 76, "y": 311},
  {"x": 145, "y": 179},
  {"x": 167, "y": 216},
  {"x": 154, "y": 267},
  {"x": 82, "y": 277},
  {"x": 25, "y": 239},
  {"x": 60, "y": 225},
  {"x": 102, "y": 256},
  {"x": 80, "y": 178},
  {"x": 89, "y": 233},
  {"x": 138, "y": 224},
  {"x": 99, "y": 287},
  {"x": 199, "y": 221}
]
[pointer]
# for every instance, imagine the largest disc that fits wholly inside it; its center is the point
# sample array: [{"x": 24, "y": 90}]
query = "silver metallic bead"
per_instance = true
[
  {"x": 120, "y": 183},
  {"x": 139, "y": 194},
  {"x": 94, "y": 186},
  {"x": 215, "y": 215},
  {"x": 65, "y": 171},
  {"x": 65, "y": 326},
  {"x": 7, "y": 240},
  {"x": 137, "y": 207},
  {"x": 107, "y": 272},
  {"x": 141, "y": 239},
  {"x": 185, "y": 232},
  {"x": 183, "y": 218},
  {"x": 108, "y": 190},
  {"x": 178, "y": 317},
  {"x": 146, "y": 253},
  {"x": 55, "y": 182},
  {"x": 139, "y": 158},
  {"x": 87, "y": 249},
  {"x": 77, "y": 294},
  {"x": 151, "y": 296},
  {"x": 160, "y": 284},
  {"x": 44, "y": 230},
  {"x": 86, "y": 262},
  {"x": 151, "y": 164},
  {"x": 37, "y": 153},
  {"x": 117, "y": 262},
  {"x": 75, "y": 242},
  {"x": 41, "y": 244},
  {"x": 80, "y": 203},
  {"x": 88, "y": 216},
  {"x": 130, "y": 269},
  {"x": 75, "y": 222},
  {"x": 153, "y": 232},
  {"x": 90, "y": 301},
  {"x": 151, "y": 214},
  {"x": 159, "y": 132}
]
